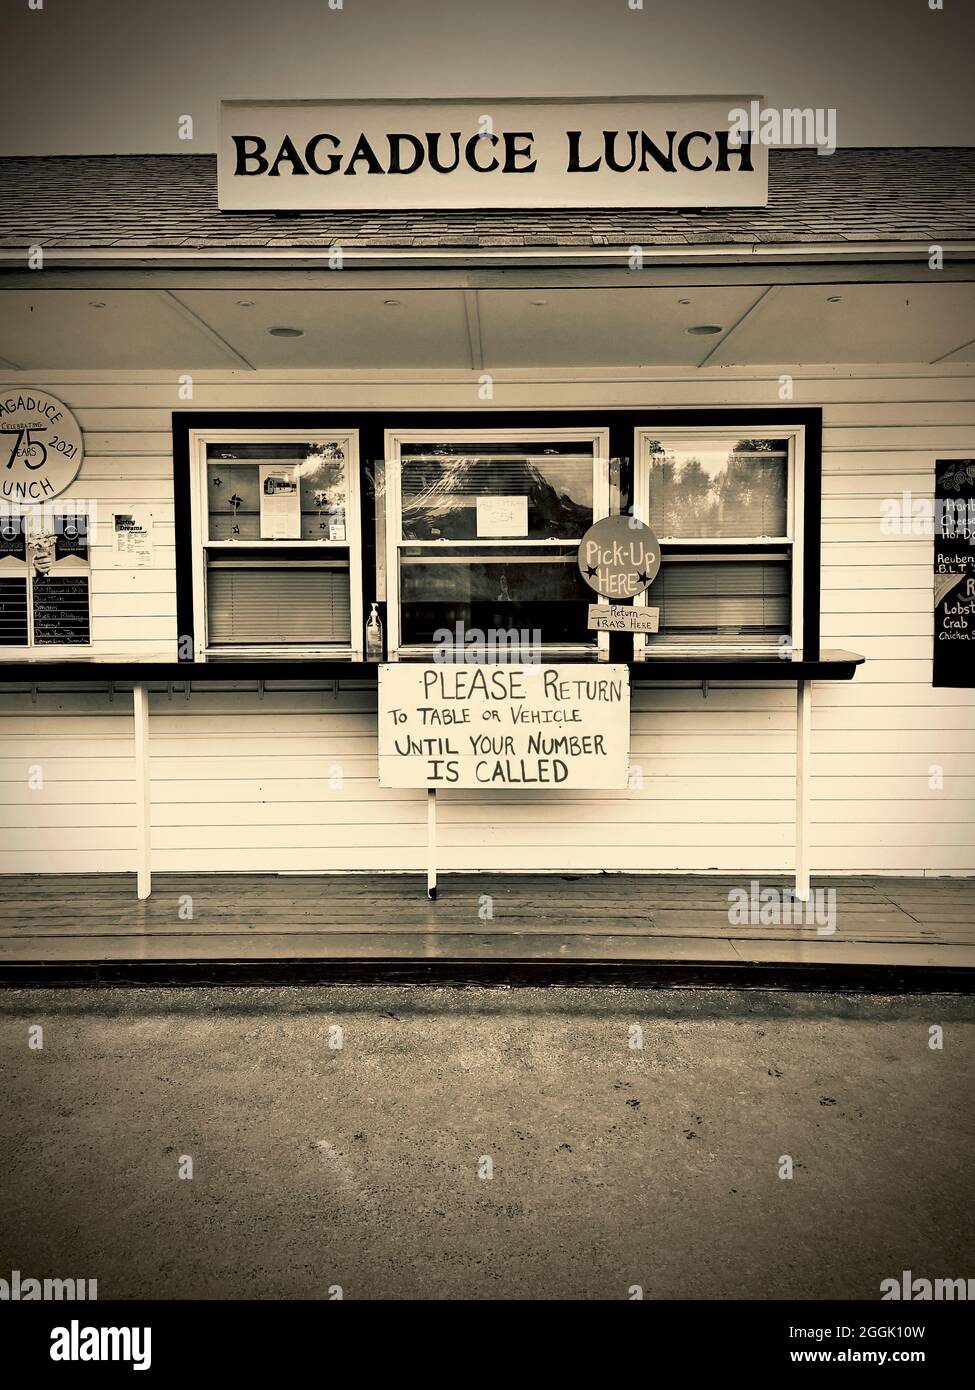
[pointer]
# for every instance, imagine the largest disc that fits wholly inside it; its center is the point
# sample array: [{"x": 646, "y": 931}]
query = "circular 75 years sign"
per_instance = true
[{"x": 41, "y": 447}]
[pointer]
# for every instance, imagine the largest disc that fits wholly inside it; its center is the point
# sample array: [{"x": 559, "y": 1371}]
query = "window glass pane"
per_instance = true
[
  {"x": 234, "y": 488},
  {"x": 533, "y": 491},
  {"x": 708, "y": 602},
  {"x": 537, "y": 591},
  {"x": 290, "y": 599},
  {"x": 718, "y": 488}
]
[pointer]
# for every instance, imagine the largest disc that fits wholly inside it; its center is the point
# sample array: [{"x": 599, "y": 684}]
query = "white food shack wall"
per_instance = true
[{"x": 288, "y": 782}]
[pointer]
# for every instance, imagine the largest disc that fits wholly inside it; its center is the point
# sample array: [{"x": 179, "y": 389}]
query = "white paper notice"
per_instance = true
[
  {"x": 132, "y": 540},
  {"x": 502, "y": 516},
  {"x": 280, "y": 502},
  {"x": 537, "y": 727}
]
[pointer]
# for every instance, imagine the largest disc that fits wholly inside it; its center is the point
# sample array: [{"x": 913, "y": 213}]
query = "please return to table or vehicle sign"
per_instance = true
[{"x": 564, "y": 726}]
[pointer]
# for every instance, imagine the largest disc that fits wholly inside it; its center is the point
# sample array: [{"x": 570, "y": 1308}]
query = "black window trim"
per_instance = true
[{"x": 371, "y": 424}]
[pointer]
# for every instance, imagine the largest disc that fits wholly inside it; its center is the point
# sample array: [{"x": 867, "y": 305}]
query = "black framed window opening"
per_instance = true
[{"x": 486, "y": 523}]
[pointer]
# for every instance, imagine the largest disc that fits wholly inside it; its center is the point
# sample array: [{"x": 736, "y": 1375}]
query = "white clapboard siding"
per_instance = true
[{"x": 287, "y": 782}]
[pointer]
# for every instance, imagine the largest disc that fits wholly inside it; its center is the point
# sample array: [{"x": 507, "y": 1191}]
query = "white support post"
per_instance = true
[
  {"x": 803, "y": 734},
  {"x": 431, "y": 842},
  {"x": 140, "y": 710}
]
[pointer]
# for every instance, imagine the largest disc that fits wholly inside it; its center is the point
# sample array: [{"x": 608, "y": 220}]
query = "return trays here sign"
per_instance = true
[{"x": 539, "y": 726}]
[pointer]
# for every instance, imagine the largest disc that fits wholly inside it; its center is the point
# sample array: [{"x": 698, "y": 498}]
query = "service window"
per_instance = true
[
  {"x": 482, "y": 534},
  {"x": 277, "y": 555},
  {"x": 724, "y": 505}
]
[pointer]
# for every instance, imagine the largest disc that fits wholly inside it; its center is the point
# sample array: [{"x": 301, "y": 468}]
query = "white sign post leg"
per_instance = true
[
  {"x": 140, "y": 709},
  {"x": 803, "y": 736},
  {"x": 431, "y": 842}
]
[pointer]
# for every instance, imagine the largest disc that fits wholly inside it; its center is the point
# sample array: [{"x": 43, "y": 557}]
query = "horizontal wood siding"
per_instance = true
[{"x": 288, "y": 782}]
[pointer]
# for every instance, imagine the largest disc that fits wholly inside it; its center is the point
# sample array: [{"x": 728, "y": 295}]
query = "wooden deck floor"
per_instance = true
[{"x": 898, "y": 922}]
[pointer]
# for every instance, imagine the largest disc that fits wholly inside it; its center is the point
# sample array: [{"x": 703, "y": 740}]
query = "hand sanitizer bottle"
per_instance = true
[{"x": 374, "y": 636}]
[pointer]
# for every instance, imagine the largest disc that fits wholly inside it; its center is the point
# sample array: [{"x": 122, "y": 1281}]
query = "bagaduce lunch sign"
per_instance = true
[{"x": 490, "y": 153}]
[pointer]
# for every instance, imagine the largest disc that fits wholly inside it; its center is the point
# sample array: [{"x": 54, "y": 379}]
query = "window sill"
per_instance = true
[{"x": 829, "y": 665}]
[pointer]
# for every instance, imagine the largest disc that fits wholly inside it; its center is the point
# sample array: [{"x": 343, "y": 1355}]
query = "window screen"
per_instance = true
[{"x": 719, "y": 489}]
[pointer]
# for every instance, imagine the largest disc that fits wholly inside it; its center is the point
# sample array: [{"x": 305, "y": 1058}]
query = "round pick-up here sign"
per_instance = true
[{"x": 619, "y": 557}]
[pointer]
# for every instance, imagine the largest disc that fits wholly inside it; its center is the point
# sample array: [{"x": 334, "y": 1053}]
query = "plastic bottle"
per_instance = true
[{"x": 374, "y": 636}]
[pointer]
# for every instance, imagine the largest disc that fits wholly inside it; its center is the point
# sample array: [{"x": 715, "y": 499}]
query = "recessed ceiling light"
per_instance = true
[
  {"x": 286, "y": 332},
  {"x": 705, "y": 328},
  {"x": 834, "y": 298},
  {"x": 97, "y": 303},
  {"x": 245, "y": 304},
  {"x": 392, "y": 303},
  {"x": 539, "y": 303},
  {"x": 683, "y": 301}
]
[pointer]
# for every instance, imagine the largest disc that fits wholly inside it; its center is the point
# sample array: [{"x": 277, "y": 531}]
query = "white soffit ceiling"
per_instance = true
[
  {"x": 607, "y": 327},
  {"x": 341, "y": 328},
  {"x": 191, "y": 329},
  {"x": 94, "y": 329},
  {"x": 808, "y": 324}
]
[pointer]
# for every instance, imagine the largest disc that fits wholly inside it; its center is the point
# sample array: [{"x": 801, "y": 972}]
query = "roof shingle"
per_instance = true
[{"x": 163, "y": 201}]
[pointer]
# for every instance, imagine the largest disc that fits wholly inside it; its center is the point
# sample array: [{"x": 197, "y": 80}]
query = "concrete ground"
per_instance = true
[{"x": 362, "y": 1165}]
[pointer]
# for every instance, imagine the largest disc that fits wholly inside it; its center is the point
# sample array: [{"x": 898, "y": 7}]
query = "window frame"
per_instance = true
[
  {"x": 598, "y": 437},
  {"x": 198, "y": 441},
  {"x": 730, "y": 547}
]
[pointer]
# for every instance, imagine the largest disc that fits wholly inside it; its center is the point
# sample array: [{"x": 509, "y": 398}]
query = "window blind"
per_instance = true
[
  {"x": 299, "y": 604},
  {"x": 706, "y": 602}
]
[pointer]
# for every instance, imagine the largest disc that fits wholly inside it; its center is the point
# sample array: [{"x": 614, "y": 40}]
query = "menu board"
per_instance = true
[
  {"x": 13, "y": 611},
  {"x": 61, "y": 612},
  {"x": 954, "y": 573},
  {"x": 14, "y": 630}
]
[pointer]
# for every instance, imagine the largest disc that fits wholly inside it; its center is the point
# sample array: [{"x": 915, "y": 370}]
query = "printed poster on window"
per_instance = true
[
  {"x": 132, "y": 540},
  {"x": 280, "y": 502}
]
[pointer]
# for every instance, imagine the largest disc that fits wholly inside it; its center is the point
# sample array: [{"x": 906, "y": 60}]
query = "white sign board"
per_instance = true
[
  {"x": 443, "y": 725},
  {"x": 502, "y": 516},
  {"x": 622, "y": 617},
  {"x": 591, "y": 152}
]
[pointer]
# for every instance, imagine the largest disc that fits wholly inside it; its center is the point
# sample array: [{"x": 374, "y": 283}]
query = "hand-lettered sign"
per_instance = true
[
  {"x": 445, "y": 725},
  {"x": 619, "y": 557},
  {"x": 41, "y": 447},
  {"x": 954, "y": 573},
  {"x": 622, "y": 617}
]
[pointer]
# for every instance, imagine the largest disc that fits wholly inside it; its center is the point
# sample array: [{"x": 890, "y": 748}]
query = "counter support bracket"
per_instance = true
[
  {"x": 803, "y": 736},
  {"x": 431, "y": 842},
  {"x": 143, "y": 799}
]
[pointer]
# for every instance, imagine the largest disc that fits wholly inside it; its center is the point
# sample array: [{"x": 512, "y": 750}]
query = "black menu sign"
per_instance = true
[
  {"x": 13, "y": 611},
  {"x": 14, "y": 631},
  {"x": 61, "y": 608},
  {"x": 954, "y": 572}
]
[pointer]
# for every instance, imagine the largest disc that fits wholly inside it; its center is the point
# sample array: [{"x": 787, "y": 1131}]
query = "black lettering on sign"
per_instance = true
[
  {"x": 61, "y": 609},
  {"x": 954, "y": 573}
]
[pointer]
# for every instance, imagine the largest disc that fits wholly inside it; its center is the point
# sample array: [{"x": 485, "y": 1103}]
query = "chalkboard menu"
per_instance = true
[
  {"x": 13, "y": 611},
  {"x": 61, "y": 608},
  {"x": 954, "y": 573}
]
